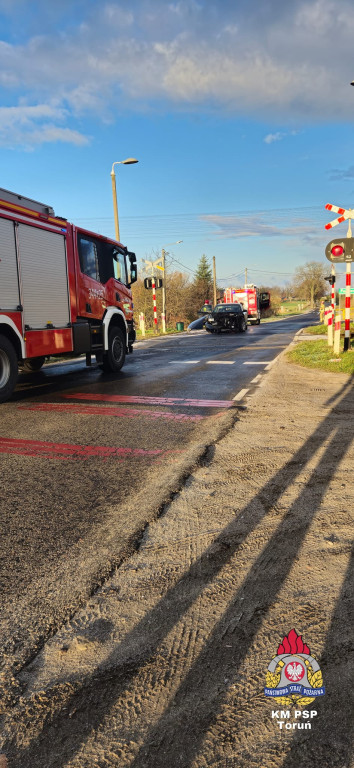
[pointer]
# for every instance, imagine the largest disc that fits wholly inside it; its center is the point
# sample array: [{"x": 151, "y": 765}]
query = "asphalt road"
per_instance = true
[{"x": 83, "y": 455}]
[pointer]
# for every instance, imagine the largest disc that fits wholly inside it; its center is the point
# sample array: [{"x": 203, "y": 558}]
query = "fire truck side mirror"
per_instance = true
[{"x": 133, "y": 267}]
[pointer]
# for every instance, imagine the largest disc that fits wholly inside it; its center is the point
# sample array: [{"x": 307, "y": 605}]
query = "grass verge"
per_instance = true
[
  {"x": 317, "y": 354},
  {"x": 321, "y": 330}
]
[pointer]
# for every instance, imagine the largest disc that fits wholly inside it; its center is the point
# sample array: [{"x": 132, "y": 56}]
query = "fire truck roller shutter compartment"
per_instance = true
[
  {"x": 9, "y": 292},
  {"x": 44, "y": 277}
]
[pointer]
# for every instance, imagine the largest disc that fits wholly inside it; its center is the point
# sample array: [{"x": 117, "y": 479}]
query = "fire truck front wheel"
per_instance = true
[
  {"x": 8, "y": 368},
  {"x": 113, "y": 359}
]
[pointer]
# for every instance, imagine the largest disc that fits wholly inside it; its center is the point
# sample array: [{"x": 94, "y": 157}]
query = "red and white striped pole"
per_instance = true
[
  {"x": 330, "y": 326},
  {"x": 333, "y": 297},
  {"x": 348, "y": 281},
  {"x": 336, "y": 342},
  {"x": 154, "y": 300}
]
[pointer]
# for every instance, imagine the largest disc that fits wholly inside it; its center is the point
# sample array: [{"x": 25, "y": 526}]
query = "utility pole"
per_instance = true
[
  {"x": 163, "y": 263},
  {"x": 214, "y": 280},
  {"x": 162, "y": 260}
]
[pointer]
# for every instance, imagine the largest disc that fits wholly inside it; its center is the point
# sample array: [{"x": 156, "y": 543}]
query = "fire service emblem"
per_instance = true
[{"x": 294, "y": 676}]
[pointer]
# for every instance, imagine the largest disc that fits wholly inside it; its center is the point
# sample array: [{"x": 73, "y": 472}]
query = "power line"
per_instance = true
[{"x": 184, "y": 266}]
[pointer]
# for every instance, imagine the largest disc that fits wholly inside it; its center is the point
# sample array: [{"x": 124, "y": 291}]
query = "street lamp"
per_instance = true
[
  {"x": 163, "y": 254},
  {"x": 128, "y": 161}
]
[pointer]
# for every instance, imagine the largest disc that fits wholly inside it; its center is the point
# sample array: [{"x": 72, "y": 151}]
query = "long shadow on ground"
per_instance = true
[{"x": 177, "y": 737}]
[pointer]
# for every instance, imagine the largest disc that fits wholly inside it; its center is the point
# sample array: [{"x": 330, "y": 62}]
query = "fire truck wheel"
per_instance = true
[
  {"x": 8, "y": 368},
  {"x": 33, "y": 364},
  {"x": 113, "y": 359},
  {"x": 258, "y": 321}
]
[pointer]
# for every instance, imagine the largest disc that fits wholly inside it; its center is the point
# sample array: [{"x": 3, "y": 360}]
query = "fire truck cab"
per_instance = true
[{"x": 63, "y": 290}]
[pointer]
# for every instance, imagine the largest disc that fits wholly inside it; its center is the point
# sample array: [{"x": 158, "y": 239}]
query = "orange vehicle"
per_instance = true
[{"x": 63, "y": 290}]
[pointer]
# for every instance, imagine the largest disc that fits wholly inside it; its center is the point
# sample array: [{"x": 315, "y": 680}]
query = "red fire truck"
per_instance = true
[
  {"x": 252, "y": 299},
  {"x": 63, "y": 290}
]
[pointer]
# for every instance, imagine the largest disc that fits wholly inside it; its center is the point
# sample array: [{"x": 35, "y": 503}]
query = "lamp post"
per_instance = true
[
  {"x": 128, "y": 161},
  {"x": 163, "y": 264}
]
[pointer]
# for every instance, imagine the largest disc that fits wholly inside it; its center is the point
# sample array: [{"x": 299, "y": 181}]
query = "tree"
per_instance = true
[
  {"x": 177, "y": 285},
  {"x": 309, "y": 281},
  {"x": 204, "y": 271},
  {"x": 202, "y": 286}
]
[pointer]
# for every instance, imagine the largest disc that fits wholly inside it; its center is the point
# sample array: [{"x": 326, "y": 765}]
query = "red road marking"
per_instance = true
[
  {"x": 102, "y": 410},
  {"x": 43, "y": 449},
  {"x": 152, "y": 400}
]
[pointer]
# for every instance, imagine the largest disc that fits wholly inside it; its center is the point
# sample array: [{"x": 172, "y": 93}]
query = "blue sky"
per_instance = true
[{"x": 241, "y": 116}]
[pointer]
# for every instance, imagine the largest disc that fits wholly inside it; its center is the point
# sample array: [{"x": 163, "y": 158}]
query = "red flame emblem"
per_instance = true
[{"x": 292, "y": 643}]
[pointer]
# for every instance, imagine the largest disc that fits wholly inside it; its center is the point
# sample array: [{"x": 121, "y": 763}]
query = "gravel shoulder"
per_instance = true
[{"x": 166, "y": 663}]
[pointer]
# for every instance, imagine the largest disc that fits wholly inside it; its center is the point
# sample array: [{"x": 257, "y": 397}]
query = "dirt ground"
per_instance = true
[{"x": 166, "y": 664}]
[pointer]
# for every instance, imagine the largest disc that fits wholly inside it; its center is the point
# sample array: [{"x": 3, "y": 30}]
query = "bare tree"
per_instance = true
[{"x": 309, "y": 281}]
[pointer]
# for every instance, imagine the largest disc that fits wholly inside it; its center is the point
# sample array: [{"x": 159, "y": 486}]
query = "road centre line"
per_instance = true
[
  {"x": 147, "y": 400},
  {"x": 220, "y": 362},
  {"x": 103, "y": 410},
  {"x": 184, "y": 362},
  {"x": 240, "y": 394}
]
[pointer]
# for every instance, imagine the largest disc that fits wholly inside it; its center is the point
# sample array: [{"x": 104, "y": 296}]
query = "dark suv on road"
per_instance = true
[{"x": 226, "y": 317}]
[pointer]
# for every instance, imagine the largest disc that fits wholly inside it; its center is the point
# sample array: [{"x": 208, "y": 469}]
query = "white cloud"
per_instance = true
[
  {"x": 184, "y": 53},
  {"x": 27, "y": 126},
  {"x": 271, "y": 137},
  {"x": 278, "y": 136}
]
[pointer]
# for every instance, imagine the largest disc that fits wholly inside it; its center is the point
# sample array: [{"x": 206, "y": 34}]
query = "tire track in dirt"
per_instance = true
[{"x": 184, "y": 686}]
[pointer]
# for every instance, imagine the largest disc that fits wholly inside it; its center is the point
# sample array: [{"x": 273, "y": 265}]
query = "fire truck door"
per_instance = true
[
  {"x": 9, "y": 290},
  {"x": 44, "y": 280}
]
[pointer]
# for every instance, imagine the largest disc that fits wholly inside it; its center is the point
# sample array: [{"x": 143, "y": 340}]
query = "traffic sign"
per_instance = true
[
  {"x": 346, "y": 213},
  {"x": 340, "y": 251}
]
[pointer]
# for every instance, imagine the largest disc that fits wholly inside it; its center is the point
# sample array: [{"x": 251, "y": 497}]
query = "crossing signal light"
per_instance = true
[
  {"x": 148, "y": 282},
  {"x": 331, "y": 279},
  {"x": 339, "y": 251}
]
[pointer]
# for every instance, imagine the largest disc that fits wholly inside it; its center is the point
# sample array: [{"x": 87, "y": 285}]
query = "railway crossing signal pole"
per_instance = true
[
  {"x": 333, "y": 301},
  {"x": 154, "y": 301},
  {"x": 152, "y": 265},
  {"x": 342, "y": 252},
  {"x": 348, "y": 281}
]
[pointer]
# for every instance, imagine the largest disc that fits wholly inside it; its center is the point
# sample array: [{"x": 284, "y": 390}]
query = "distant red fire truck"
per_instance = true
[
  {"x": 63, "y": 290},
  {"x": 253, "y": 300}
]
